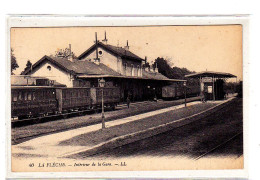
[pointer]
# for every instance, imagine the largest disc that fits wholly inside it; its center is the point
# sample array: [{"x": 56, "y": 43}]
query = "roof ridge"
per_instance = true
[{"x": 116, "y": 50}]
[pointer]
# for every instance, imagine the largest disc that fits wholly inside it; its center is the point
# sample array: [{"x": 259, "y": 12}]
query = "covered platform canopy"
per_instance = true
[
  {"x": 131, "y": 77},
  {"x": 210, "y": 74}
]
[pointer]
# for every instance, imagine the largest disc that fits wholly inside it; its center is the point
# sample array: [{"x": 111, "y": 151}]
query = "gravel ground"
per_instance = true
[
  {"x": 193, "y": 139},
  {"x": 97, "y": 137},
  {"x": 24, "y": 133}
]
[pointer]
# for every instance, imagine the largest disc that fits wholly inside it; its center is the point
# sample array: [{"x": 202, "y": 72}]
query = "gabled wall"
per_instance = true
[
  {"x": 116, "y": 63},
  {"x": 106, "y": 58},
  {"x": 54, "y": 73}
]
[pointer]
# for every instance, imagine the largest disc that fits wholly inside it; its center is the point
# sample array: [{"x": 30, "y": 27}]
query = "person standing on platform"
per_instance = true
[
  {"x": 203, "y": 96},
  {"x": 128, "y": 102}
]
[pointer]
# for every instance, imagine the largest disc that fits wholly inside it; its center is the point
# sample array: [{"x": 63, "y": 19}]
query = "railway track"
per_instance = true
[
  {"x": 19, "y": 127},
  {"x": 218, "y": 146},
  {"x": 46, "y": 118},
  {"x": 218, "y": 134},
  {"x": 21, "y": 122}
]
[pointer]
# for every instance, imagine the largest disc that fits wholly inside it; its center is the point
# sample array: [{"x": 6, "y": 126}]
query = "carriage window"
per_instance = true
[
  {"x": 20, "y": 96},
  {"x": 25, "y": 96},
  {"x": 15, "y": 96},
  {"x": 80, "y": 94},
  {"x": 42, "y": 94},
  {"x": 29, "y": 96},
  {"x": 33, "y": 95}
]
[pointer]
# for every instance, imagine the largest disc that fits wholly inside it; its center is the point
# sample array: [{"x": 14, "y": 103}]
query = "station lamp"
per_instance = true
[{"x": 102, "y": 83}]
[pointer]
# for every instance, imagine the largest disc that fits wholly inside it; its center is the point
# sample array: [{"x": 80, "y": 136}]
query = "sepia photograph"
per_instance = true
[{"x": 126, "y": 98}]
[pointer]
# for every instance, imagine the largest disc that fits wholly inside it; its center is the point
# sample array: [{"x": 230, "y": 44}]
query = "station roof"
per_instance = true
[
  {"x": 75, "y": 67},
  {"x": 87, "y": 69},
  {"x": 210, "y": 74},
  {"x": 117, "y": 51},
  {"x": 146, "y": 76}
]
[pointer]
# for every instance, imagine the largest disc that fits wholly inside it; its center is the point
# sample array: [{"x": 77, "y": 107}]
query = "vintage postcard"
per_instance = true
[{"x": 126, "y": 94}]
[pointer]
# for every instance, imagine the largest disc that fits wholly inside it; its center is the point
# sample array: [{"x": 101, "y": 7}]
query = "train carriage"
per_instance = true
[
  {"x": 34, "y": 101},
  {"x": 70, "y": 99},
  {"x": 111, "y": 96}
]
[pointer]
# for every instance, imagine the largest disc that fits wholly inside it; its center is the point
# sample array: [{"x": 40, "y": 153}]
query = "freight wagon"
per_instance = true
[{"x": 176, "y": 91}]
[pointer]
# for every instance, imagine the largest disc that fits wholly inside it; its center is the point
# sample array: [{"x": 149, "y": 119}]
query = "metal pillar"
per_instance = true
[
  {"x": 213, "y": 89},
  {"x": 185, "y": 92},
  {"x": 216, "y": 95},
  {"x": 103, "y": 114}
]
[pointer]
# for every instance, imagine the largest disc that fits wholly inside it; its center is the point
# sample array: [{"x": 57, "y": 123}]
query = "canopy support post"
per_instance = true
[{"x": 213, "y": 89}]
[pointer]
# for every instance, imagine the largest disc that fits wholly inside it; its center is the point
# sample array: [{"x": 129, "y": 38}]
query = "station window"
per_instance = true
[
  {"x": 132, "y": 70},
  {"x": 125, "y": 66}
]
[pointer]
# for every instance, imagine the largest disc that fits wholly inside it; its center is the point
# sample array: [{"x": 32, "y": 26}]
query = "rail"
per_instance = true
[{"x": 218, "y": 146}]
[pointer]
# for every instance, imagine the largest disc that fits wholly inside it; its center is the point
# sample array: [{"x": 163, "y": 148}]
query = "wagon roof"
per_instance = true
[{"x": 32, "y": 87}]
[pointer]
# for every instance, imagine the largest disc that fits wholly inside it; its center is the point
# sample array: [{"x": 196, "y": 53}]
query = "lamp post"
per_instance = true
[
  {"x": 148, "y": 98},
  {"x": 185, "y": 93},
  {"x": 102, "y": 85},
  {"x": 154, "y": 94}
]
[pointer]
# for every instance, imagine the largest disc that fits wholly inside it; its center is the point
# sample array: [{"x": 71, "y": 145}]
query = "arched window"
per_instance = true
[
  {"x": 138, "y": 70},
  {"x": 132, "y": 70},
  {"x": 125, "y": 66}
]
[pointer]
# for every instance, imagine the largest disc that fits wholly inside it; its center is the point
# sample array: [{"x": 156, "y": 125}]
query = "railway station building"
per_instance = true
[{"x": 118, "y": 66}]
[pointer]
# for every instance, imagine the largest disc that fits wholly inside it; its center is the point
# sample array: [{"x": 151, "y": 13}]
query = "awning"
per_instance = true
[
  {"x": 211, "y": 74},
  {"x": 127, "y": 77}
]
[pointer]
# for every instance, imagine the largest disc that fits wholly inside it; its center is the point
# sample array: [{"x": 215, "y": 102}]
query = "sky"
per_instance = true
[{"x": 197, "y": 48}]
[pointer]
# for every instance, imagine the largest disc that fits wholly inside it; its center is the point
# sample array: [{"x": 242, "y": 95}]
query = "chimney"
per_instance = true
[
  {"x": 70, "y": 58},
  {"x": 127, "y": 47},
  {"x": 156, "y": 68},
  {"x": 105, "y": 40},
  {"x": 147, "y": 68},
  {"x": 96, "y": 60}
]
